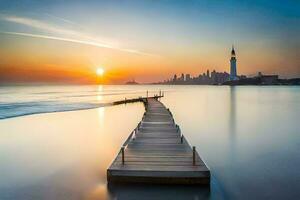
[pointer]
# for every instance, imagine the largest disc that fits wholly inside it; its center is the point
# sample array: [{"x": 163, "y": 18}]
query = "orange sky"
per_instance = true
[
  {"x": 51, "y": 61},
  {"x": 144, "y": 41}
]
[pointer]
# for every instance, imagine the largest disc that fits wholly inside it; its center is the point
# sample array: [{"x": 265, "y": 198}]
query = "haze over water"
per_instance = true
[{"x": 248, "y": 136}]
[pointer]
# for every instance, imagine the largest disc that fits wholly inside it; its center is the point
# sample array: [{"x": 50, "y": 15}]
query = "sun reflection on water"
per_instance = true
[
  {"x": 101, "y": 115},
  {"x": 99, "y": 192},
  {"x": 99, "y": 96}
]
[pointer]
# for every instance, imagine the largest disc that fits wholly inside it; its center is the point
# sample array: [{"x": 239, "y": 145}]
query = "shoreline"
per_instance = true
[
  {"x": 114, "y": 103},
  {"x": 57, "y": 111}
]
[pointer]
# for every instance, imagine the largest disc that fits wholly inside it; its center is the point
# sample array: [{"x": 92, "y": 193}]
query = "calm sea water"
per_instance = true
[{"x": 248, "y": 136}]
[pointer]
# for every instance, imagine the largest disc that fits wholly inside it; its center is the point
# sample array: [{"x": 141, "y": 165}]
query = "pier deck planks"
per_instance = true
[{"x": 154, "y": 153}]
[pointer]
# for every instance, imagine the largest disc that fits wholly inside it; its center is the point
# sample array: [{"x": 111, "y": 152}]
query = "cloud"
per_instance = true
[
  {"x": 62, "y": 19},
  {"x": 38, "y": 25},
  {"x": 65, "y": 34},
  {"x": 91, "y": 43}
]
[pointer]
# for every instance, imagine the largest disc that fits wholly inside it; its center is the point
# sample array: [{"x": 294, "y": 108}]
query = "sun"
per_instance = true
[{"x": 100, "y": 71}]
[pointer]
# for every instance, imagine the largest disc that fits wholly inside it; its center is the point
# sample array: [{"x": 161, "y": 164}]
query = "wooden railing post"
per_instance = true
[
  {"x": 123, "y": 155},
  {"x": 170, "y": 112},
  {"x": 134, "y": 135},
  {"x": 194, "y": 155}
]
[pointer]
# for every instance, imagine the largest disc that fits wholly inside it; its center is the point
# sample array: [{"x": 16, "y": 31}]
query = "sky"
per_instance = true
[{"x": 146, "y": 40}]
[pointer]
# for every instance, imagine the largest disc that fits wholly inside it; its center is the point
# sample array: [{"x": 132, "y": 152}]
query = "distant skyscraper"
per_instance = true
[
  {"x": 187, "y": 77},
  {"x": 175, "y": 78},
  {"x": 233, "y": 74},
  {"x": 182, "y": 77}
]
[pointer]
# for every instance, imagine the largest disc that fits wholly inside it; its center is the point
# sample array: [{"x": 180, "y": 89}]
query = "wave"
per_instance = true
[
  {"x": 9, "y": 110},
  {"x": 18, "y": 101}
]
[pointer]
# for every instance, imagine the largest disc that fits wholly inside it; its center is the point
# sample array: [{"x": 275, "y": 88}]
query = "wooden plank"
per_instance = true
[{"x": 155, "y": 152}]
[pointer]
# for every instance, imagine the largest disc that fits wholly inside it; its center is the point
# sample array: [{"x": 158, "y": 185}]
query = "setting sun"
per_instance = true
[{"x": 100, "y": 71}]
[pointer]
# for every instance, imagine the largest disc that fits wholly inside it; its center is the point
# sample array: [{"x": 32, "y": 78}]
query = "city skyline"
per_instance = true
[
  {"x": 145, "y": 40},
  {"x": 230, "y": 78}
]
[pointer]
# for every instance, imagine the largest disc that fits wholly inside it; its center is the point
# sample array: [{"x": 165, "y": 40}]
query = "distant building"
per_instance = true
[
  {"x": 175, "y": 78},
  {"x": 182, "y": 77},
  {"x": 242, "y": 77},
  {"x": 213, "y": 78},
  {"x": 187, "y": 77},
  {"x": 133, "y": 82},
  {"x": 268, "y": 79},
  {"x": 219, "y": 77},
  {"x": 233, "y": 73}
]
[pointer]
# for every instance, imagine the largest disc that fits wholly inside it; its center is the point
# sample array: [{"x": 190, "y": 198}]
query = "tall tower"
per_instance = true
[{"x": 233, "y": 74}]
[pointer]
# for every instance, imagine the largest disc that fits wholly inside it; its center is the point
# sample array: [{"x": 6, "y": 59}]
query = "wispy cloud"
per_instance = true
[
  {"x": 91, "y": 43},
  {"x": 38, "y": 25},
  {"x": 62, "y": 19},
  {"x": 63, "y": 34}
]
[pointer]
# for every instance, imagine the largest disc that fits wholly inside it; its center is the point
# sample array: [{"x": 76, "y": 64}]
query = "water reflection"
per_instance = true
[
  {"x": 98, "y": 192},
  {"x": 157, "y": 192},
  {"x": 64, "y": 156},
  {"x": 99, "y": 96},
  {"x": 232, "y": 112},
  {"x": 232, "y": 122},
  {"x": 101, "y": 114}
]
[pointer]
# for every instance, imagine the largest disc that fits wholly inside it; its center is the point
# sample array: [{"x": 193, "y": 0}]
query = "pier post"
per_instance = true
[
  {"x": 170, "y": 112},
  {"x": 133, "y": 135},
  {"x": 194, "y": 155},
  {"x": 123, "y": 156}
]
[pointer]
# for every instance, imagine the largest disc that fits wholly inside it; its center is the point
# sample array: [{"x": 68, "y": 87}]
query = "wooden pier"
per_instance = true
[{"x": 157, "y": 152}]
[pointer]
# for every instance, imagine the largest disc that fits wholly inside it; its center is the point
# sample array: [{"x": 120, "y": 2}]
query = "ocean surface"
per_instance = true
[
  {"x": 26, "y": 100},
  {"x": 249, "y": 136}
]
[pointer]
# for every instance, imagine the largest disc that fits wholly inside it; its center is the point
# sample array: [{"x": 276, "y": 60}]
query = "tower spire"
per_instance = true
[
  {"x": 232, "y": 51},
  {"x": 233, "y": 73}
]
